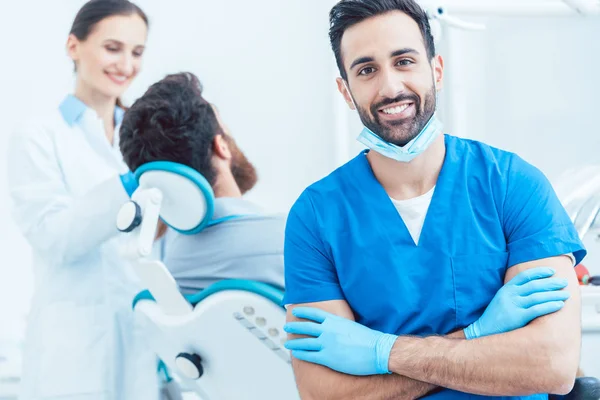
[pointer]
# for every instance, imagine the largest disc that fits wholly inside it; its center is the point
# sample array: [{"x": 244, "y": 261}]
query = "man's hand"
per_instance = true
[
  {"x": 529, "y": 295},
  {"x": 348, "y": 347},
  {"x": 541, "y": 357},
  {"x": 317, "y": 382},
  {"x": 339, "y": 343}
]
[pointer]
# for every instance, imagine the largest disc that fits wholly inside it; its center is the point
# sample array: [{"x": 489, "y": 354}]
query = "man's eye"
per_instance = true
[
  {"x": 405, "y": 62},
  {"x": 366, "y": 71}
]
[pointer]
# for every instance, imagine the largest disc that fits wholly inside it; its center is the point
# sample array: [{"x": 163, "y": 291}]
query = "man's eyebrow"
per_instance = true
[{"x": 396, "y": 53}]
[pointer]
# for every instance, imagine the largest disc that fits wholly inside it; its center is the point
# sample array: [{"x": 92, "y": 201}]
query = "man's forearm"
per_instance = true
[
  {"x": 334, "y": 385},
  {"x": 541, "y": 357},
  {"x": 511, "y": 364},
  {"x": 330, "y": 385}
]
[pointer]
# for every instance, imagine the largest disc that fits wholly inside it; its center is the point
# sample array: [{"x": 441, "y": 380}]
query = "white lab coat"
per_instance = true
[{"x": 83, "y": 340}]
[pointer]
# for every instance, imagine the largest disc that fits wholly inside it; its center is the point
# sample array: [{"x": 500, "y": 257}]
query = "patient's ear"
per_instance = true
[{"x": 221, "y": 147}]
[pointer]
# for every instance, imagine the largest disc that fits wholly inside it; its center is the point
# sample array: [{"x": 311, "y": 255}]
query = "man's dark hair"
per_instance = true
[
  {"x": 347, "y": 13},
  {"x": 171, "y": 122}
]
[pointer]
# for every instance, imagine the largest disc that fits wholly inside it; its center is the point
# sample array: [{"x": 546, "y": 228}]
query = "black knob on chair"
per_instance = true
[
  {"x": 189, "y": 365},
  {"x": 129, "y": 217}
]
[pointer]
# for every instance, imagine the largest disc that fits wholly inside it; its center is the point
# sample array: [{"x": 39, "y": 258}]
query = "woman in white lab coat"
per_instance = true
[{"x": 67, "y": 182}]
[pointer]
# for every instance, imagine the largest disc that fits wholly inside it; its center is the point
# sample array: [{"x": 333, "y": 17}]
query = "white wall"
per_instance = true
[{"x": 266, "y": 64}]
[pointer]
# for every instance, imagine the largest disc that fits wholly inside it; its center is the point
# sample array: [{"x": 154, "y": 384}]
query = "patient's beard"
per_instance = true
[{"x": 242, "y": 170}]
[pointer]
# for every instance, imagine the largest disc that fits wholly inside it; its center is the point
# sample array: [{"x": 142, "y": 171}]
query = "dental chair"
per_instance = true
[
  {"x": 585, "y": 388},
  {"x": 225, "y": 342}
]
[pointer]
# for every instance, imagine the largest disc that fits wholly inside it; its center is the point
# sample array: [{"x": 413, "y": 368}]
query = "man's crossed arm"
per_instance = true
[
  {"x": 318, "y": 382},
  {"x": 539, "y": 357}
]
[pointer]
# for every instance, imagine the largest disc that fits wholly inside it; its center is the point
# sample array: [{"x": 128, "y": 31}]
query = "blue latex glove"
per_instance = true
[
  {"x": 129, "y": 182},
  {"x": 529, "y": 295},
  {"x": 339, "y": 343}
]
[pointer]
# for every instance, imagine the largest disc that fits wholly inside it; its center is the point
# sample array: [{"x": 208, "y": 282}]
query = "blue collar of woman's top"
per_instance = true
[{"x": 72, "y": 109}]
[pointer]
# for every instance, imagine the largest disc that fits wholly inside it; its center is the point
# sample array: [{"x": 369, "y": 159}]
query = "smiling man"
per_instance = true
[{"x": 428, "y": 265}]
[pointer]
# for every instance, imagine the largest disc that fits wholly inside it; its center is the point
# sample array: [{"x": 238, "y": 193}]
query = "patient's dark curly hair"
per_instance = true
[{"x": 171, "y": 122}]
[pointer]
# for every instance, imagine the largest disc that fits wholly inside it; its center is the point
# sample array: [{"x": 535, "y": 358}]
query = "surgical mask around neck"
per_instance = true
[{"x": 409, "y": 151}]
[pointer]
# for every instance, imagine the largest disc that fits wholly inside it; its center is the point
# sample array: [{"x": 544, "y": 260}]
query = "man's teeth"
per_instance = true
[{"x": 396, "y": 110}]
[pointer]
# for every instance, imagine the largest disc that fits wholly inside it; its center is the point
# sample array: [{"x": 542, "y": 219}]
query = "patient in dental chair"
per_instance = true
[{"x": 173, "y": 122}]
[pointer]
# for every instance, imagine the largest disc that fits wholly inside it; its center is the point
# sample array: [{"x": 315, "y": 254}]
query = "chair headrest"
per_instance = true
[{"x": 188, "y": 198}]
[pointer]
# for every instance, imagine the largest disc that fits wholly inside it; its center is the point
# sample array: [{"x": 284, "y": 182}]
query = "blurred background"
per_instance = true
[{"x": 527, "y": 83}]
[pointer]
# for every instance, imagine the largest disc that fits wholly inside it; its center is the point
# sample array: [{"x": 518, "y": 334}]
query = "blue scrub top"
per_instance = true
[{"x": 490, "y": 210}]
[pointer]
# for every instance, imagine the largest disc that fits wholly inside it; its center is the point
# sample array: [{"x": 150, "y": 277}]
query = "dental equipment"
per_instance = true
[
  {"x": 447, "y": 13},
  {"x": 225, "y": 342}
]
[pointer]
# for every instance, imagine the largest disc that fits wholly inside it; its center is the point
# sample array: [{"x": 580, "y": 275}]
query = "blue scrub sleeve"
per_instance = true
[
  {"x": 536, "y": 224},
  {"x": 310, "y": 274}
]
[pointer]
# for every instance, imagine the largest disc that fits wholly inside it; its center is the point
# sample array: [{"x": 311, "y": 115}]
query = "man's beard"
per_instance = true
[
  {"x": 402, "y": 132},
  {"x": 242, "y": 170}
]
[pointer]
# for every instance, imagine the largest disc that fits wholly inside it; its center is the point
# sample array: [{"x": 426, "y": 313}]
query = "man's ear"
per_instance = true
[
  {"x": 221, "y": 147},
  {"x": 438, "y": 68},
  {"x": 343, "y": 89}
]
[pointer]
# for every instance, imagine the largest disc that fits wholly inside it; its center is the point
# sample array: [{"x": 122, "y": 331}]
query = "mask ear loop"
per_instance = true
[
  {"x": 349, "y": 93},
  {"x": 437, "y": 95}
]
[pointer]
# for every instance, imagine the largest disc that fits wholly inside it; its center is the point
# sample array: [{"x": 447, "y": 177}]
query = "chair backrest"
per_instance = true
[{"x": 188, "y": 198}]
